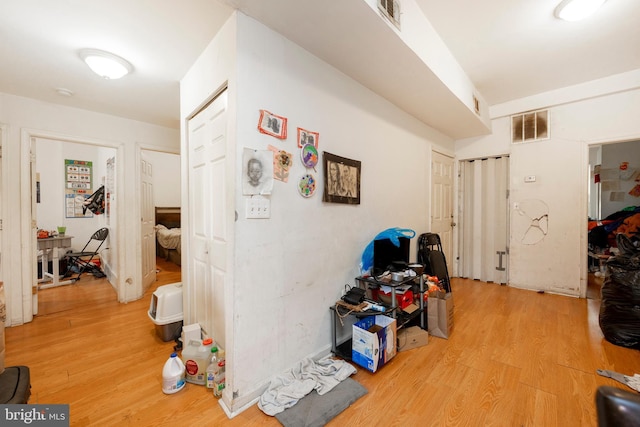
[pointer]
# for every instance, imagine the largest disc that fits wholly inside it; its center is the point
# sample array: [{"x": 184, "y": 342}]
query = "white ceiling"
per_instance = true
[{"x": 510, "y": 49}]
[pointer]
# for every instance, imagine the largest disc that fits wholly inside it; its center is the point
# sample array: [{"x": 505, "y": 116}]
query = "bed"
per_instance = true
[{"x": 168, "y": 240}]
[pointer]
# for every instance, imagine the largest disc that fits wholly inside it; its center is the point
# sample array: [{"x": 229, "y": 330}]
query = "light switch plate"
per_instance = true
[{"x": 258, "y": 207}]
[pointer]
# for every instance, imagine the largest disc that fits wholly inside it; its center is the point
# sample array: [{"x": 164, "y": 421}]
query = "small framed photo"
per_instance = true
[
  {"x": 272, "y": 125},
  {"x": 307, "y": 137},
  {"x": 341, "y": 179}
]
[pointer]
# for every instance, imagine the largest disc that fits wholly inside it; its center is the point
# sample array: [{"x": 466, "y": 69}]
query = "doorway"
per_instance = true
[
  {"x": 442, "y": 204},
  {"x": 484, "y": 219},
  {"x": 160, "y": 200},
  {"x": 614, "y": 169},
  {"x": 59, "y": 197}
]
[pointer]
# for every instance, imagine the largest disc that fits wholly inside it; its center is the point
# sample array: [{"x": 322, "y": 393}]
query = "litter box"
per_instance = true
[{"x": 165, "y": 311}]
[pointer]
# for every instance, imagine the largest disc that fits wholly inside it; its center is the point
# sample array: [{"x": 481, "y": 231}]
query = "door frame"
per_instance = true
[
  {"x": 452, "y": 264},
  {"x": 460, "y": 205},
  {"x": 584, "y": 240},
  {"x": 28, "y": 271},
  {"x": 140, "y": 147}
]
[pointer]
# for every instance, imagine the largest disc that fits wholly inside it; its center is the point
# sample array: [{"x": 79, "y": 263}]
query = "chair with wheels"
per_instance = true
[{"x": 83, "y": 261}]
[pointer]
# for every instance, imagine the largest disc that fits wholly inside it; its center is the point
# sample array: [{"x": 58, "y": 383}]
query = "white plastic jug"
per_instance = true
[
  {"x": 173, "y": 375},
  {"x": 196, "y": 359}
]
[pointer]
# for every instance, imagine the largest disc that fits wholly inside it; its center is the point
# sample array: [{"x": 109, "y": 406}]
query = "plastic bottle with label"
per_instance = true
[
  {"x": 173, "y": 375},
  {"x": 196, "y": 359},
  {"x": 212, "y": 368},
  {"x": 219, "y": 379}
]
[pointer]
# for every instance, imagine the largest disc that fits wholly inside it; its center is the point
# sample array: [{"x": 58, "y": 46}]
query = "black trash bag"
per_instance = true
[{"x": 620, "y": 306}]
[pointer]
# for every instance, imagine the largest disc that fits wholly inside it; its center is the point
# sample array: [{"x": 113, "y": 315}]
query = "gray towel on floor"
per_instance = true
[{"x": 285, "y": 390}]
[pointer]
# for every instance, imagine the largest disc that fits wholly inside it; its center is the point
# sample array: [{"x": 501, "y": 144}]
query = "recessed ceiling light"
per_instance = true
[
  {"x": 64, "y": 92},
  {"x": 105, "y": 64},
  {"x": 575, "y": 10}
]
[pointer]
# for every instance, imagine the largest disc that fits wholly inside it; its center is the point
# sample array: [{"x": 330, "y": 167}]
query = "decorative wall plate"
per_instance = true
[
  {"x": 309, "y": 155},
  {"x": 307, "y": 185}
]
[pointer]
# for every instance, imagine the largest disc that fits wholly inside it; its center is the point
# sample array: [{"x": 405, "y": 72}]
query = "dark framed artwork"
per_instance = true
[{"x": 341, "y": 179}]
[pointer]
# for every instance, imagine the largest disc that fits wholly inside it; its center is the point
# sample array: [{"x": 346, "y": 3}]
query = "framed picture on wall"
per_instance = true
[{"x": 341, "y": 179}]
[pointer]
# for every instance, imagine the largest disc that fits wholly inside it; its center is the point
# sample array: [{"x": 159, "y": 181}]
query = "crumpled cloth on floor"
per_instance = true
[
  {"x": 285, "y": 390},
  {"x": 630, "y": 381}
]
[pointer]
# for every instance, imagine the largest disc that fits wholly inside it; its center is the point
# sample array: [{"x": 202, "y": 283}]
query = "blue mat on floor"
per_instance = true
[{"x": 314, "y": 410}]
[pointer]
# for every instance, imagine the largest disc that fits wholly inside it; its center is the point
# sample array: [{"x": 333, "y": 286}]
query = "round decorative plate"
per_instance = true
[
  {"x": 307, "y": 185},
  {"x": 309, "y": 155}
]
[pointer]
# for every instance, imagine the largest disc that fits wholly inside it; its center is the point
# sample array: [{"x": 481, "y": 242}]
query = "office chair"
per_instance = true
[{"x": 80, "y": 262}]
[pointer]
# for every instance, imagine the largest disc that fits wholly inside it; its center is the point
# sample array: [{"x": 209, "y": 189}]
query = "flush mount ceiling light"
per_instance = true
[
  {"x": 575, "y": 10},
  {"x": 105, "y": 64},
  {"x": 64, "y": 92}
]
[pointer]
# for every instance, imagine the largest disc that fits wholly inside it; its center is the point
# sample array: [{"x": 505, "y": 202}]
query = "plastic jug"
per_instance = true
[
  {"x": 173, "y": 375},
  {"x": 196, "y": 359}
]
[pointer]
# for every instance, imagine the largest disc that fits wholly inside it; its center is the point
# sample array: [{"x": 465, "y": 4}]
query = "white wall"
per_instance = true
[
  {"x": 612, "y": 156},
  {"x": 289, "y": 269},
  {"x": 25, "y": 117},
  {"x": 166, "y": 179},
  {"x": 561, "y": 168}
]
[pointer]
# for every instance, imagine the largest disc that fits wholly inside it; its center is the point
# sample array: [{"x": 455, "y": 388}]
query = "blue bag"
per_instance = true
[{"x": 390, "y": 233}]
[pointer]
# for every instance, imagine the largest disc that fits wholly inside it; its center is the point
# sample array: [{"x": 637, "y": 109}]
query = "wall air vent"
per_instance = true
[
  {"x": 476, "y": 105},
  {"x": 391, "y": 10},
  {"x": 531, "y": 126}
]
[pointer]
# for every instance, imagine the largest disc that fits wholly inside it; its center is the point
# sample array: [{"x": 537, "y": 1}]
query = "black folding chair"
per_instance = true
[
  {"x": 431, "y": 255},
  {"x": 81, "y": 262}
]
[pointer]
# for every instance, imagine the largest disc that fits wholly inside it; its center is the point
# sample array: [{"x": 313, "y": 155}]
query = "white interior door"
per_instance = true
[
  {"x": 147, "y": 213},
  {"x": 442, "y": 203},
  {"x": 207, "y": 226}
]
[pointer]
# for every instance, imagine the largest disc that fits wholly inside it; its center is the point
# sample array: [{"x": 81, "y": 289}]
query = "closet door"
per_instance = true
[
  {"x": 207, "y": 212},
  {"x": 484, "y": 219}
]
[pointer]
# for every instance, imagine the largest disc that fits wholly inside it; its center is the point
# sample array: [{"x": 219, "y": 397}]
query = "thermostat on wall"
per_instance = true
[{"x": 530, "y": 178}]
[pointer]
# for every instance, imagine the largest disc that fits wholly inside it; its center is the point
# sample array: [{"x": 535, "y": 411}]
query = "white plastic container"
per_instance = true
[
  {"x": 165, "y": 311},
  {"x": 173, "y": 375},
  {"x": 196, "y": 357}
]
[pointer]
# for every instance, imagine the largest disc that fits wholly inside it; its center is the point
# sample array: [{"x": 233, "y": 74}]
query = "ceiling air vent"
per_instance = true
[
  {"x": 532, "y": 126},
  {"x": 391, "y": 10}
]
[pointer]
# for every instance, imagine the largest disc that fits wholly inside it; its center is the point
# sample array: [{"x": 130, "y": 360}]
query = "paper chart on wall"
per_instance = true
[
  {"x": 610, "y": 185},
  {"x": 617, "y": 196},
  {"x": 78, "y": 184}
]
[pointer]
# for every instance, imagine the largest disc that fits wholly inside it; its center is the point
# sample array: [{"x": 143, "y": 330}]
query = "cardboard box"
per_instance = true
[
  {"x": 374, "y": 341},
  {"x": 413, "y": 337}
]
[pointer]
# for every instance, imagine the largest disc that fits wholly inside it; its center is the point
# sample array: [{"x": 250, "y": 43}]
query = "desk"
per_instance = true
[{"x": 53, "y": 245}]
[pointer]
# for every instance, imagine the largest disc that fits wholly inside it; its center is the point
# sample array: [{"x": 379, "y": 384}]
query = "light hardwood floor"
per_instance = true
[{"x": 516, "y": 358}]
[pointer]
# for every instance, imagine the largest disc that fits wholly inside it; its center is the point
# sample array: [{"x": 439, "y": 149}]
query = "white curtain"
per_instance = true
[{"x": 484, "y": 219}]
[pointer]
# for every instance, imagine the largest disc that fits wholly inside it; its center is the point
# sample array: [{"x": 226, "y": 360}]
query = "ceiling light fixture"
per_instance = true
[
  {"x": 64, "y": 92},
  {"x": 105, "y": 64},
  {"x": 575, "y": 10}
]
